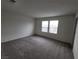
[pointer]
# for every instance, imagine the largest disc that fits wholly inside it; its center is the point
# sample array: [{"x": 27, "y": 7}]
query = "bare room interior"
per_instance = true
[{"x": 39, "y": 29}]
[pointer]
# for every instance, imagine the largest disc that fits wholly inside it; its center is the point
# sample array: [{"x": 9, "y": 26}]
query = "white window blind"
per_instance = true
[
  {"x": 50, "y": 26},
  {"x": 44, "y": 26},
  {"x": 53, "y": 26}
]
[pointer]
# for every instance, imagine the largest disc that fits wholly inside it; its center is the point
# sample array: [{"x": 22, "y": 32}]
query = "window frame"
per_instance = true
[
  {"x": 56, "y": 28},
  {"x": 49, "y": 26}
]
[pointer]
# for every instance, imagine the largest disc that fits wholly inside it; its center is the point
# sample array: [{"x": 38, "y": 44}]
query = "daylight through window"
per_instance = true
[{"x": 50, "y": 26}]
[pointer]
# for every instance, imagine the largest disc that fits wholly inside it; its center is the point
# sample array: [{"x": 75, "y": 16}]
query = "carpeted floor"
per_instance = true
[{"x": 35, "y": 47}]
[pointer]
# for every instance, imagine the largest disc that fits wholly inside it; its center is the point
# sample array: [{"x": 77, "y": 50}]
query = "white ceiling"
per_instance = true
[{"x": 42, "y": 8}]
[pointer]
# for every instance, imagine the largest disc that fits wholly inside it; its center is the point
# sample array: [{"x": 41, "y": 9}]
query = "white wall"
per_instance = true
[
  {"x": 65, "y": 28},
  {"x": 15, "y": 25},
  {"x": 75, "y": 47}
]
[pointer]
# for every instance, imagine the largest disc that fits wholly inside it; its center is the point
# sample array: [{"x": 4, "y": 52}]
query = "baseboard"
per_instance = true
[
  {"x": 40, "y": 36},
  {"x": 16, "y": 39},
  {"x": 54, "y": 40}
]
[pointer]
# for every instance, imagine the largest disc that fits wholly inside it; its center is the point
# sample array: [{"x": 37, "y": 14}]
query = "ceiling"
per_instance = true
[{"x": 41, "y": 8}]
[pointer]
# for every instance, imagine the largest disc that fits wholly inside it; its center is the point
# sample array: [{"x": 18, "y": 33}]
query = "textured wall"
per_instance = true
[
  {"x": 15, "y": 25},
  {"x": 65, "y": 28}
]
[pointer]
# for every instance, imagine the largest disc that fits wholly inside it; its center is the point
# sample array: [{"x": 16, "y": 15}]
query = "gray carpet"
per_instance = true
[{"x": 35, "y": 47}]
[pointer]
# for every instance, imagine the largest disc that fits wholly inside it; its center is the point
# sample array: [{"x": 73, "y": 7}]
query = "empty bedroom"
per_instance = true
[{"x": 39, "y": 29}]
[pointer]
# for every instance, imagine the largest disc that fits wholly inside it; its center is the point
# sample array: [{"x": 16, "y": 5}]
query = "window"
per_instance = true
[
  {"x": 53, "y": 26},
  {"x": 50, "y": 26},
  {"x": 44, "y": 26}
]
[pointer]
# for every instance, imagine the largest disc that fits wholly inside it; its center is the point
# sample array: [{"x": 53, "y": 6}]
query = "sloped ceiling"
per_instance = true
[{"x": 41, "y": 8}]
